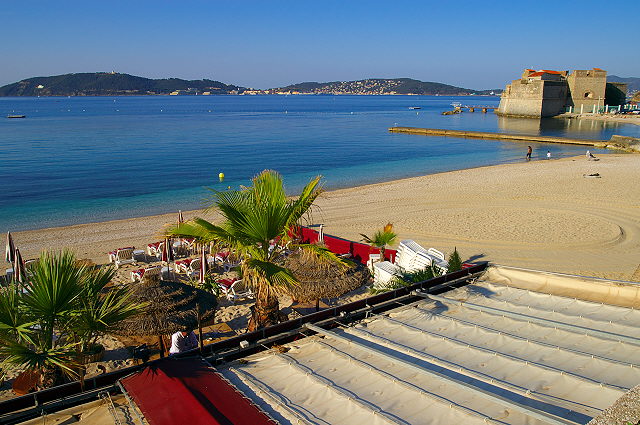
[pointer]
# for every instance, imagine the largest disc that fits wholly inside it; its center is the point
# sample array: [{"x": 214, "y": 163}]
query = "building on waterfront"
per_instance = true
[{"x": 546, "y": 93}]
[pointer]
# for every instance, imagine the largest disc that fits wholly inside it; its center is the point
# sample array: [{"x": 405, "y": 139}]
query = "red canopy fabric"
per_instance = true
[{"x": 189, "y": 391}]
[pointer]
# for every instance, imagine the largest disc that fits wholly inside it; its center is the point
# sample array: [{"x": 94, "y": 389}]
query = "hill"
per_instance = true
[
  {"x": 382, "y": 86},
  {"x": 111, "y": 84},
  {"x": 633, "y": 83}
]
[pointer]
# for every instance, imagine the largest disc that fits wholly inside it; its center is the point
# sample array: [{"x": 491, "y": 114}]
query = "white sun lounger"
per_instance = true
[
  {"x": 406, "y": 255},
  {"x": 383, "y": 273},
  {"x": 412, "y": 257},
  {"x": 420, "y": 262}
]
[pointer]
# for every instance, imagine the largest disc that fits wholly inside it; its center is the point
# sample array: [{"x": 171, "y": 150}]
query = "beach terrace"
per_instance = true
[{"x": 488, "y": 344}]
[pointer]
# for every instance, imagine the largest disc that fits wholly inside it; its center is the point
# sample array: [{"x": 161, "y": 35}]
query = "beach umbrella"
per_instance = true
[
  {"x": 19, "y": 271},
  {"x": 171, "y": 307},
  {"x": 167, "y": 252},
  {"x": 321, "y": 279},
  {"x": 10, "y": 249},
  {"x": 204, "y": 266},
  {"x": 180, "y": 218}
]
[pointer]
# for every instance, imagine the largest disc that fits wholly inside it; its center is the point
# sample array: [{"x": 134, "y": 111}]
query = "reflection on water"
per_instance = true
[{"x": 567, "y": 127}]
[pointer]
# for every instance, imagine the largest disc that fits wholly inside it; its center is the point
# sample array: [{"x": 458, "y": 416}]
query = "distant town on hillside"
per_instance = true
[{"x": 118, "y": 84}]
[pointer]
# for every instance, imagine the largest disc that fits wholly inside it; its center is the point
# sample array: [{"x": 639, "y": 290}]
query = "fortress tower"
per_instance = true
[{"x": 546, "y": 93}]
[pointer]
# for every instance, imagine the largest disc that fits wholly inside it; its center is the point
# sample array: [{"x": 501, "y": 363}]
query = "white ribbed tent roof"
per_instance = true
[{"x": 501, "y": 350}]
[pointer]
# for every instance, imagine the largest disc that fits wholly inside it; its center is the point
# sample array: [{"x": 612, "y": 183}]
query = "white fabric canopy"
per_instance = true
[{"x": 406, "y": 366}]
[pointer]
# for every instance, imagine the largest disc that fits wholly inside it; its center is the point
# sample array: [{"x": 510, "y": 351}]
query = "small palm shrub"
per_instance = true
[
  {"x": 48, "y": 324},
  {"x": 381, "y": 238}
]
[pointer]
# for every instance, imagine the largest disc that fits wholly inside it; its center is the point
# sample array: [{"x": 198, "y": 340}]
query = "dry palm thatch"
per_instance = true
[
  {"x": 171, "y": 306},
  {"x": 322, "y": 279}
]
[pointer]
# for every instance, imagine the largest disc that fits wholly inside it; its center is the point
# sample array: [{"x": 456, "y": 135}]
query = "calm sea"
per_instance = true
[{"x": 85, "y": 159}]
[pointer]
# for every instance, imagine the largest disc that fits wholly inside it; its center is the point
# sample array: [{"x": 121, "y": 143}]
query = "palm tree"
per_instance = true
[
  {"x": 381, "y": 239},
  {"x": 62, "y": 308},
  {"x": 99, "y": 309},
  {"x": 258, "y": 224}
]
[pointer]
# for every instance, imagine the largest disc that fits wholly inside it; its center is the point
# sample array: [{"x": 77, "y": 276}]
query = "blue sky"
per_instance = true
[{"x": 269, "y": 43}]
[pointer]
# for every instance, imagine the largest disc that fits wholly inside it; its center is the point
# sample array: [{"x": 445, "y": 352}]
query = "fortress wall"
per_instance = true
[
  {"x": 616, "y": 94},
  {"x": 522, "y": 97},
  {"x": 555, "y": 97},
  {"x": 587, "y": 87}
]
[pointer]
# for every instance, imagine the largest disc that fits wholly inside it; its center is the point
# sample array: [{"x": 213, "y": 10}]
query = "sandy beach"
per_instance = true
[{"x": 546, "y": 215}]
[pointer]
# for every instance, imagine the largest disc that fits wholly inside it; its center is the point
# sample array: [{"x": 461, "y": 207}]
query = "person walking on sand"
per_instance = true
[{"x": 529, "y": 150}]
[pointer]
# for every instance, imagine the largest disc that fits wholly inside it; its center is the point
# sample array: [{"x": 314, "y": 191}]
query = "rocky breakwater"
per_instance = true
[{"x": 625, "y": 143}]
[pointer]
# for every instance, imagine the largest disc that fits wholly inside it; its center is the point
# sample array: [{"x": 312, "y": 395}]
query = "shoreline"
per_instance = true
[
  {"x": 541, "y": 214},
  {"x": 339, "y": 188},
  {"x": 188, "y": 214}
]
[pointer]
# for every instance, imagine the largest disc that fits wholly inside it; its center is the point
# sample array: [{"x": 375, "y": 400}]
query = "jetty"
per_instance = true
[{"x": 501, "y": 136}]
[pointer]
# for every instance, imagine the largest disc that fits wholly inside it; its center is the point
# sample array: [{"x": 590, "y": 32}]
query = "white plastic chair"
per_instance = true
[
  {"x": 238, "y": 290},
  {"x": 124, "y": 256},
  {"x": 228, "y": 265},
  {"x": 194, "y": 267},
  {"x": 145, "y": 273},
  {"x": 154, "y": 249},
  {"x": 373, "y": 259}
]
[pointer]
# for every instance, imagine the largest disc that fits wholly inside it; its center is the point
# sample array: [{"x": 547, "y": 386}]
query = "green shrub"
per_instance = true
[{"x": 455, "y": 263}]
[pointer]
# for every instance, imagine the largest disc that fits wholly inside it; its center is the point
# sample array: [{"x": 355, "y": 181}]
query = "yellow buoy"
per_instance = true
[{"x": 221, "y": 176}]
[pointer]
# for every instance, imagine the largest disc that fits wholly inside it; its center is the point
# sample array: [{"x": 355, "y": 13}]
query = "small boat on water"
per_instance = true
[
  {"x": 415, "y": 107},
  {"x": 16, "y": 116}
]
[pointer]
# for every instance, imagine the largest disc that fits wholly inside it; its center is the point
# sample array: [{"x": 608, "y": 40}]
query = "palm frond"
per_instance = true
[
  {"x": 278, "y": 277},
  {"x": 23, "y": 356},
  {"x": 55, "y": 283},
  {"x": 15, "y": 322}
]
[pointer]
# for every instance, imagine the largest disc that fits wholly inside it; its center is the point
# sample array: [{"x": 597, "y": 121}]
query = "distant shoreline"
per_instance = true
[
  {"x": 250, "y": 95},
  {"x": 115, "y": 83}
]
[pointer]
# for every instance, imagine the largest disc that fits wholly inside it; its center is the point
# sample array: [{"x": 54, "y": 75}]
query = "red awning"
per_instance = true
[{"x": 189, "y": 391}]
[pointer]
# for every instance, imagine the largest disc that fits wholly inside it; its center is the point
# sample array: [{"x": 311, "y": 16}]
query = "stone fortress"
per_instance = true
[{"x": 546, "y": 93}]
